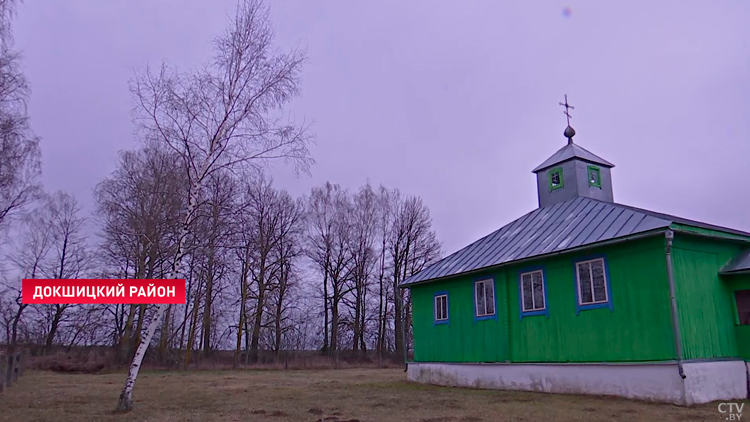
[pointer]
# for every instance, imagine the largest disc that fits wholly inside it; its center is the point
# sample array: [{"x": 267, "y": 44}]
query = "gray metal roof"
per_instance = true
[
  {"x": 739, "y": 263},
  {"x": 569, "y": 151},
  {"x": 558, "y": 227}
]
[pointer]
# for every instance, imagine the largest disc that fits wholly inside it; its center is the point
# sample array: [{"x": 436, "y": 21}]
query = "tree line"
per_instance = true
[{"x": 265, "y": 272}]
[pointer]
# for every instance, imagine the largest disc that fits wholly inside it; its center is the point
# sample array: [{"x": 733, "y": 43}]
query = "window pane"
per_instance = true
[
  {"x": 594, "y": 177},
  {"x": 528, "y": 298},
  {"x": 481, "y": 310},
  {"x": 584, "y": 283},
  {"x": 441, "y": 307},
  {"x": 597, "y": 272},
  {"x": 538, "y": 290},
  {"x": 743, "y": 306},
  {"x": 490, "y": 297},
  {"x": 555, "y": 179}
]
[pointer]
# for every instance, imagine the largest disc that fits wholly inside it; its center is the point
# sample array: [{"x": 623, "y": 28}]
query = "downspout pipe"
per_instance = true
[
  {"x": 669, "y": 235},
  {"x": 403, "y": 331}
]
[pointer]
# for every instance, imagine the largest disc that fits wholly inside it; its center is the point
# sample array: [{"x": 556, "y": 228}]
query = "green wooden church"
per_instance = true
[{"x": 587, "y": 296}]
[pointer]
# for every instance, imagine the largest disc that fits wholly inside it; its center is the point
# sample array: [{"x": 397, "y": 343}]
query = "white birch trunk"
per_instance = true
[{"x": 126, "y": 397}]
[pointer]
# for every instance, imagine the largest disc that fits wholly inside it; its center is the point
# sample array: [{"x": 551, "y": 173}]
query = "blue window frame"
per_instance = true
[
  {"x": 593, "y": 288},
  {"x": 485, "y": 305},
  {"x": 532, "y": 292},
  {"x": 441, "y": 308}
]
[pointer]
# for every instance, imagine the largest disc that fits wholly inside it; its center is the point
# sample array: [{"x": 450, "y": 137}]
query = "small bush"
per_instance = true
[{"x": 71, "y": 363}]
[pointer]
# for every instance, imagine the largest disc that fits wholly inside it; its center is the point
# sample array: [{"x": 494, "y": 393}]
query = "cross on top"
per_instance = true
[{"x": 567, "y": 106}]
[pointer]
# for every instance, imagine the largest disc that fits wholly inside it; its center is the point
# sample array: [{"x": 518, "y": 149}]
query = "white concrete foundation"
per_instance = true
[{"x": 660, "y": 382}]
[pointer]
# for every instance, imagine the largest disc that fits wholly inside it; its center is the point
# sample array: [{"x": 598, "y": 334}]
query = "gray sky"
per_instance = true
[{"x": 454, "y": 101}]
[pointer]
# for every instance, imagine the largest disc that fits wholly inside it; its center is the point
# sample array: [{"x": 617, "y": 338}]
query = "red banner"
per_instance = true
[{"x": 103, "y": 291}]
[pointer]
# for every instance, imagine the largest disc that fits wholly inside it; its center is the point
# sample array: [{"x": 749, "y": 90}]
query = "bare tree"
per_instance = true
[
  {"x": 30, "y": 259},
  {"x": 244, "y": 234},
  {"x": 363, "y": 230},
  {"x": 70, "y": 256},
  {"x": 220, "y": 117},
  {"x": 413, "y": 245},
  {"x": 215, "y": 225},
  {"x": 263, "y": 207},
  {"x": 139, "y": 207},
  {"x": 329, "y": 247},
  {"x": 320, "y": 217},
  {"x": 387, "y": 201},
  {"x": 287, "y": 251},
  {"x": 19, "y": 148}
]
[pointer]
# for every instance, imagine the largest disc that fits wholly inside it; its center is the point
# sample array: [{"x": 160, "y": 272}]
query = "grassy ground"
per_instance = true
[{"x": 326, "y": 395}]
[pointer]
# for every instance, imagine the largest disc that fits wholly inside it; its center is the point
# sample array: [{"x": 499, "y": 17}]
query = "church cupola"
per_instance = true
[{"x": 572, "y": 172}]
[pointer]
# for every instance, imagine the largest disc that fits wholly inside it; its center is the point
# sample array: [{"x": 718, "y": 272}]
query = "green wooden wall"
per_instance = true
[
  {"x": 743, "y": 341},
  {"x": 708, "y": 315},
  {"x": 637, "y": 329},
  {"x": 463, "y": 339}
]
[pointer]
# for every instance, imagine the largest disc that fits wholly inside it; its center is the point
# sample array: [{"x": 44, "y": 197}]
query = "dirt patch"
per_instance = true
[
  {"x": 278, "y": 413},
  {"x": 451, "y": 404}
]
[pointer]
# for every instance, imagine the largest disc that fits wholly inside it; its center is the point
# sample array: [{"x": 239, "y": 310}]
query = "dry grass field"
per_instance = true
[{"x": 307, "y": 395}]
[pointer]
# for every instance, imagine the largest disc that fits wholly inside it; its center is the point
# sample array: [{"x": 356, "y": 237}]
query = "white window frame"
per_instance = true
[
  {"x": 437, "y": 307},
  {"x": 485, "y": 282},
  {"x": 591, "y": 282},
  {"x": 544, "y": 295}
]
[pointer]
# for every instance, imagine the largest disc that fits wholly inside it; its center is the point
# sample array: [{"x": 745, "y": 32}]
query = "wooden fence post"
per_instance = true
[
  {"x": 16, "y": 366},
  {"x": 9, "y": 359},
  {"x": 3, "y": 366},
  {"x": 24, "y": 361}
]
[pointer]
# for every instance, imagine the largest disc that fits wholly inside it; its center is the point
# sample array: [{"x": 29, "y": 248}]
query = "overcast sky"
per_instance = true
[{"x": 454, "y": 101}]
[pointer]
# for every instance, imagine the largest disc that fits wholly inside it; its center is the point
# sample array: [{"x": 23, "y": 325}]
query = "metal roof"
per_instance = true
[
  {"x": 554, "y": 228},
  {"x": 569, "y": 151},
  {"x": 739, "y": 263}
]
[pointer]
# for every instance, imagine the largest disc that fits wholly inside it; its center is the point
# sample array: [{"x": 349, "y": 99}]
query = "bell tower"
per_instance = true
[{"x": 573, "y": 171}]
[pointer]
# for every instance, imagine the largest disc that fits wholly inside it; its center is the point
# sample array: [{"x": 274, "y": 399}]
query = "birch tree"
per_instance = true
[{"x": 221, "y": 116}]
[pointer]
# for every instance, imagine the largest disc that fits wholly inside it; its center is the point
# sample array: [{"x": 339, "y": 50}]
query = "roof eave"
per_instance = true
[
  {"x": 735, "y": 272},
  {"x": 637, "y": 236},
  {"x": 720, "y": 233},
  {"x": 545, "y": 166}
]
